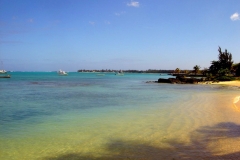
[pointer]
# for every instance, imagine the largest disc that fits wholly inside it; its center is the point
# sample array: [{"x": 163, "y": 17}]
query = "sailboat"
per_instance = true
[
  {"x": 3, "y": 73},
  {"x": 120, "y": 73},
  {"x": 62, "y": 73}
]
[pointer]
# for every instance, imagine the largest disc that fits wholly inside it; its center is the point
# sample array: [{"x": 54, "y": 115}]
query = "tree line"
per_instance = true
[{"x": 222, "y": 69}]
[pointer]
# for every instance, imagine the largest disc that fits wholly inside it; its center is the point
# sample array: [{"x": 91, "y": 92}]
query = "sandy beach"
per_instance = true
[
  {"x": 236, "y": 101},
  {"x": 230, "y": 83}
]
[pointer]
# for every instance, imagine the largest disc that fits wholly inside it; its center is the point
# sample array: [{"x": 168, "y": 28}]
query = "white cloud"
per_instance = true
[
  {"x": 235, "y": 17},
  {"x": 107, "y": 22},
  {"x": 92, "y": 23},
  {"x": 120, "y": 13},
  {"x": 133, "y": 4}
]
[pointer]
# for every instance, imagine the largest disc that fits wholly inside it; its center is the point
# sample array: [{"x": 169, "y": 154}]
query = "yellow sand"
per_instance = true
[
  {"x": 230, "y": 83},
  {"x": 236, "y": 101}
]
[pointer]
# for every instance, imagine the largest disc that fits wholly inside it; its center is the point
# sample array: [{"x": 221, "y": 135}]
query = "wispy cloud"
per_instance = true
[
  {"x": 51, "y": 25},
  {"x": 120, "y": 13},
  {"x": 30, "y": 20},
  {"x": 133, "y": 4},
  {"x": 91, "y": 22},
  {"x": 235, "y": 17},
  {"x": 107, "y": 22}
]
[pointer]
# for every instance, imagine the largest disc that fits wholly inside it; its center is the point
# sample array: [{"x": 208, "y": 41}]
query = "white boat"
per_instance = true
[
  {"x": 62, "y": 73},
  {"x": 3, "y": 71},
  {"x": 120, "y": 73}
]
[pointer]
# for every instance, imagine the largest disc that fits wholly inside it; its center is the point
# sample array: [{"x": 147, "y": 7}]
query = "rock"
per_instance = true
[
  {"x": 162, "y": 80},
  {"x": 152, "y": 82},
  {"x": 179, "y": 80}
]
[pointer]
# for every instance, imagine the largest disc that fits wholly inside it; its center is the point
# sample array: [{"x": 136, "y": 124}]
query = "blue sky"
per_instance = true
[{"x": 48, "y": 35}]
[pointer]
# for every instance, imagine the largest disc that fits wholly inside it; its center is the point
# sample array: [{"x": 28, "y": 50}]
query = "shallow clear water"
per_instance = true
[{"x": 92, "y": 116}]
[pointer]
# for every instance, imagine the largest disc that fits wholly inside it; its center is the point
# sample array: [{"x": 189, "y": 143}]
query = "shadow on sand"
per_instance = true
[{"x": 202, "y": 145}]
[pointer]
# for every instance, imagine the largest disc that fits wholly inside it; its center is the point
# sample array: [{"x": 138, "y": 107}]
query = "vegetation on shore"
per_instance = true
[
  {"x": 223, "y": 69},
  {"x": 129, "y": 71}
]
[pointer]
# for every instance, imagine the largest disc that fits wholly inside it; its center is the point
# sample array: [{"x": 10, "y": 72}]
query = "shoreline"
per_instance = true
[
  {"x": 229, "y": 83},
  {"x": 236, "y": 100},
  {"x": 236, "y": 103}
]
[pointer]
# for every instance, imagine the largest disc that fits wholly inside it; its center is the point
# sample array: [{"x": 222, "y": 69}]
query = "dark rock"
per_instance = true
[
  {"x": 179, "y": 80},
  {"x": 162, "y": 80},
  {"x": 152, "y": 82}
]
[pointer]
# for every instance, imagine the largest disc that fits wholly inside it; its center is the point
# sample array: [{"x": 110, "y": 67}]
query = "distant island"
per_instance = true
[
  {"x": 129, "y": 71},
  {"x": 221, "y": 70}
]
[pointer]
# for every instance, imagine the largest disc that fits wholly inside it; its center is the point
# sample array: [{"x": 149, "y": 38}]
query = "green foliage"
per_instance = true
[
  {"x": 236, "y": 68},
  {"x": 223, "y": 72},
  {"x": 224, "y": 64},
  {"x": 225, "y": 78},
  {"x": 215, "y": 67},
  {"x": 225, "y": 59},
  {"x": 209, "y": 76},
  {"x": 196, "y": 69},
  {"x": 204, "y": 71}
]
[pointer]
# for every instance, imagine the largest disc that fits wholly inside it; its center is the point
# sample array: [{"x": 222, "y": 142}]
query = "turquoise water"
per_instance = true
[{"x": 92, "y": 116}]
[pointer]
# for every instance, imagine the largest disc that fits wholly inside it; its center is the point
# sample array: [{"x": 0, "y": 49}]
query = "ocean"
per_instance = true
[{"x": 44, "y": 116}]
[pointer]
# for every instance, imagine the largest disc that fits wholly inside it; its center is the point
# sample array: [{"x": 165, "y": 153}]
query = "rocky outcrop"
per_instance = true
[{"x": 179, "y": 80}]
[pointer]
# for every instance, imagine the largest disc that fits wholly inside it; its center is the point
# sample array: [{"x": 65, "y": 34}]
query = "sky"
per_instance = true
[{"x": 48, "y": 35}]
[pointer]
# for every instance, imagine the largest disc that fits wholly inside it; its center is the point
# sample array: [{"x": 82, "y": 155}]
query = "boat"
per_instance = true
[
  {"x": 120, "y": 73},
  {"x": 3, "y": 71},
  {"x": 5, "y": 76},
  {"x": 62, "y": 73}
]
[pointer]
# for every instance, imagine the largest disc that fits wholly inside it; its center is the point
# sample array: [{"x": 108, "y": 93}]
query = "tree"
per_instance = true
[
  {"x": 236, "y": 68},
  {"x": 196, "y": 69},
  {"x": 225, "y": 59},
  {"x": 224, "y": 64},
  {"x": 205, "y": 71},
  {"x": 215, "y": 67}
]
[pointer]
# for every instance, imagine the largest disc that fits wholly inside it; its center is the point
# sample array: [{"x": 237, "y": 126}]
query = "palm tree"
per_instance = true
[{"x": 196, "y": 69}]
